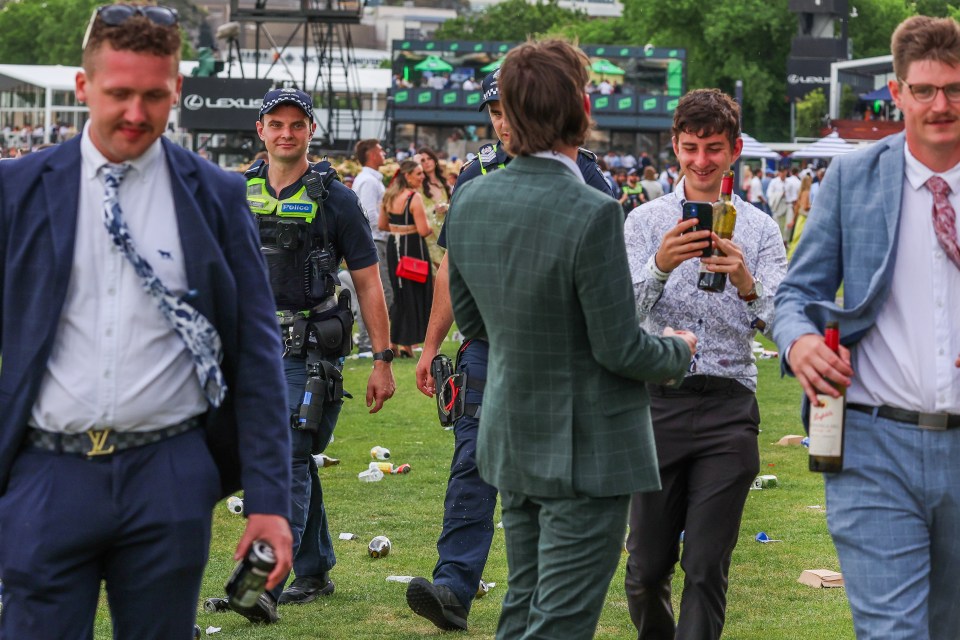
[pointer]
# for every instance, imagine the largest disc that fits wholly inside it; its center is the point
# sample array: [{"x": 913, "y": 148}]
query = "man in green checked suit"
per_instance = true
[{"x": 565, "y": 429}]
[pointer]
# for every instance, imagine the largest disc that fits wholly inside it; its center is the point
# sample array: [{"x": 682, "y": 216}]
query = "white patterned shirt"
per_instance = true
[{"x": 724, "y": 324}]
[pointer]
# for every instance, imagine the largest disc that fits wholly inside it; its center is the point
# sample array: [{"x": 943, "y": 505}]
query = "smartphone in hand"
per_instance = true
[{"x": 703, "y": 212}]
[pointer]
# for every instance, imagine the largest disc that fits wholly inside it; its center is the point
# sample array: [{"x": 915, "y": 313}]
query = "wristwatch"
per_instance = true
[
  {"x": 386, "y": 355},
  {"x": 755, "y": 292}
]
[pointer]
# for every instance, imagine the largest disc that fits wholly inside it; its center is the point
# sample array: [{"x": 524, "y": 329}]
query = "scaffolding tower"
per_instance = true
[{"x": 322, "y": 29}]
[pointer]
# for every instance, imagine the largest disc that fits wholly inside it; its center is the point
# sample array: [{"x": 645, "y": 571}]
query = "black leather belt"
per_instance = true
[
  {"x": 931, "y": 421},
  {"x": 103, "y": 442}
]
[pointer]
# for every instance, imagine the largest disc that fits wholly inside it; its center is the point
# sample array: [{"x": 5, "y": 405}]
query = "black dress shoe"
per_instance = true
[
  {"x": 263, "y": 611},
  {"x": 307, "y": 589},
  {"x": 437, "y": 604}
]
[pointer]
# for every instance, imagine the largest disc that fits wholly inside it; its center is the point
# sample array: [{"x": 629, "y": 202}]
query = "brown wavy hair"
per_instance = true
[
  {"x": 542, "y": 88},
  {"x": 137, "y": 34},
  {"x": 437, "y": 173},
  {"x": 925, "y": 38},
  {"x": 706, "y": 112}
]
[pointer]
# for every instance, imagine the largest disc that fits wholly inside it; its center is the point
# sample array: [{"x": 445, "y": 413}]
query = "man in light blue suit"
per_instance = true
[{"x": 884, "y": 224}]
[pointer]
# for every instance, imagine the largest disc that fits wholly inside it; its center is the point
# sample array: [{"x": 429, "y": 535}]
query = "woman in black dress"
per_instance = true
[{"x": 403, "y": 215}]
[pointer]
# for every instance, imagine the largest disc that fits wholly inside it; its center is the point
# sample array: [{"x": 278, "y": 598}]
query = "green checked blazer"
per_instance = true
[{"x": 538, "y": 267}]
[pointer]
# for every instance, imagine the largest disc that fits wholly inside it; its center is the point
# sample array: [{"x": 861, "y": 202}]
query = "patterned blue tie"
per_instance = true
[{"x": 197, "y": 333}]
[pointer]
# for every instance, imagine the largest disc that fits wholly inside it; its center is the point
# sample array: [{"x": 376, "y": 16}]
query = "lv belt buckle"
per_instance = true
[
  {"x": 98, "y": 440},
  {"x": 933, "y": 421}
]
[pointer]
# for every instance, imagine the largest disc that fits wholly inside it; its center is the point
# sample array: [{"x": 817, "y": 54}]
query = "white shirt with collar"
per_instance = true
[
  {"x": 368, "y": 185},
  {"x": 115, "y": 362},
  {"x": 562, "y": 159},
  {"x": 907, "y": 359}
]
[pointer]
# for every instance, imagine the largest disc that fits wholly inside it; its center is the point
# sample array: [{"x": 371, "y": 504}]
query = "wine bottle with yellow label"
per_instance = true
[
  {"x": 724, "y": 221},
  {"x": 827, "y": 419}
]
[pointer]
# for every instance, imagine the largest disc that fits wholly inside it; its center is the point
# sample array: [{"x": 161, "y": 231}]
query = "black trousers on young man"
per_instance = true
[{"x": 706, "y": 435}]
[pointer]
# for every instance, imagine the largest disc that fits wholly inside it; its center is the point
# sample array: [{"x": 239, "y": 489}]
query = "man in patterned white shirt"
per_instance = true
[{"x": 706, "y": 431}]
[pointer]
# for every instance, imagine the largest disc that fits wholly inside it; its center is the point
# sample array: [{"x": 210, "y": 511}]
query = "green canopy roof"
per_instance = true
[
  {"x": 605, "y": 67},
  {"x": 433, "y": 63}
]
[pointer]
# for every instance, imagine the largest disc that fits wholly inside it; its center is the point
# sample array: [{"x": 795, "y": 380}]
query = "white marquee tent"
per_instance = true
[{"x": 827, "y": 147}]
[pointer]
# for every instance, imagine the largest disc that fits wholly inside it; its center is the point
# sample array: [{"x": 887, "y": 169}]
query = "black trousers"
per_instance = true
[{"x": 706, "y": 435}]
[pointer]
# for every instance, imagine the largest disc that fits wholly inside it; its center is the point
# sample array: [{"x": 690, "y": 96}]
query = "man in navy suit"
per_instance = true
[{"x": 140, "y": 378}]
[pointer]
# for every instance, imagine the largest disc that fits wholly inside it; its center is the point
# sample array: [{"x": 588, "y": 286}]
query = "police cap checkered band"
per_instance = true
[
  {"x": 287, "y": 96},
  {"x": 491, "y": 90}
]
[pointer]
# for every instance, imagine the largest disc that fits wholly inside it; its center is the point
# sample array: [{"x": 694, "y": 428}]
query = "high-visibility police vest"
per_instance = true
[{"x": 289, "y": 241}]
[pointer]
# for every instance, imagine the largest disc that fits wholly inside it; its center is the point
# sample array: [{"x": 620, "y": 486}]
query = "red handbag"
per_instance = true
[
  {"x": 410, "y": 268},
  {"x": 413, "y": 269}
]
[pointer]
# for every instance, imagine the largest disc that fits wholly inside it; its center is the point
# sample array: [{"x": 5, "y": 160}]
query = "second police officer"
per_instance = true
[
  {"x": 464, "y": 542},
  {"x": 309, "y": 221}
]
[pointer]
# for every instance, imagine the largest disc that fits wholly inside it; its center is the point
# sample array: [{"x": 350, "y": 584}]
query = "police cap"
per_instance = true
[
  {"x": 491, "y": 90},
  {"x": 277, "y": 97}
]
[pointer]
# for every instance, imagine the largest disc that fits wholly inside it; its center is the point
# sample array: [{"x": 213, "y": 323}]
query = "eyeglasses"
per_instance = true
[
  {"x": 928, "y": 92},
  {"x": 114, "y": 15}
]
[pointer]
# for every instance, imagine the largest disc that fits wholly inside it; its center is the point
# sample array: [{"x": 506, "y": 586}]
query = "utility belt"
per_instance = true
[
  {"x": 451, "y": 385},
  {"x": 326, "y": 328}
]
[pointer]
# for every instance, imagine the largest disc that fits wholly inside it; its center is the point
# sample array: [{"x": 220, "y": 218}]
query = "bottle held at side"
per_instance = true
[
  {"x": 724, "y": 222},
  {"x": 827, "y": 419},
  {"x": 249, "y": 579}
]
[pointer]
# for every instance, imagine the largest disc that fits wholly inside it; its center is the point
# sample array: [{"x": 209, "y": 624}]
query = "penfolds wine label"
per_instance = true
[{"x": 827, "y": 419}]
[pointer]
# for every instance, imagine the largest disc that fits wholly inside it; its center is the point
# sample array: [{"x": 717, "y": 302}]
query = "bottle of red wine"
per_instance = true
[
  {"x": 724, "y": 221},
  {"x": 827, "y": 419}
]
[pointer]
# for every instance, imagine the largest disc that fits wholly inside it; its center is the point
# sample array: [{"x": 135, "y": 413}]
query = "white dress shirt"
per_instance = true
[
  {"x": 115, "y": 361},
  {"x": 907, "y": 359},
  {"x": 562, "y": 159},
  {"x": 791, "y": 189},
  {"x": 368, "y": 186}
]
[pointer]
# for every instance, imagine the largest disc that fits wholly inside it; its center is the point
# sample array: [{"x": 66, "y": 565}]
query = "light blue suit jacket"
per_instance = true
[{"x": 850, "y": 237}]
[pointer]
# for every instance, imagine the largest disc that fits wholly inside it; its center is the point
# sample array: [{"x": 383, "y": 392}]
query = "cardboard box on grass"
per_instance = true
[{"x": 821, "y": 578}]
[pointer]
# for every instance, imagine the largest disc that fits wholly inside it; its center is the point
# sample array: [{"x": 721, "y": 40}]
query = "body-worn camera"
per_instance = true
[
  {"x": 288, "y": 235},
  {"x": 319, "y": 270}
]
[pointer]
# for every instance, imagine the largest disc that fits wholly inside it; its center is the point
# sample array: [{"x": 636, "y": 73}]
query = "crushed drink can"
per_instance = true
[
  {"x": 482, "y": 590},
  {"x": 216, "y": 605},
  {"x": 765, "y": 482},
  {"x": 380, "y": 453},
  {"x": 250, "y": 576},
  {"x": 379, "y": 547},
  {"x": 235, "y": 505}
]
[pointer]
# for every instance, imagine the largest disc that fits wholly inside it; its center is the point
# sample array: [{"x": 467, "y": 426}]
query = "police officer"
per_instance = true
[
  {"x": 308, "y": 222},
  {"x": 464, "y": 542}
]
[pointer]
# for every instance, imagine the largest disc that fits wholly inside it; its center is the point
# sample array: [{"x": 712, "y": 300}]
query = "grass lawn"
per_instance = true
[{"x": 765, "y": 602}]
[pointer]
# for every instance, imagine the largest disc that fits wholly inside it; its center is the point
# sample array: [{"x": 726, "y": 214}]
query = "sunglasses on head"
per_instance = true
[{"x": 114, "y": 15}]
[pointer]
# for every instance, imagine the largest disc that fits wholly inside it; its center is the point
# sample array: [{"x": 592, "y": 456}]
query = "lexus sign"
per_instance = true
[
  {"x": 221, "y": 104},
  {"x": 806, "y": 74}
]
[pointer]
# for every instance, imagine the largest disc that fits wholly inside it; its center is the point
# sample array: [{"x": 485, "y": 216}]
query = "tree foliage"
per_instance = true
[
  {"x": 510, "y": 20},
  {"x": 873, "y": 25},
  {"x": 747, "y": 40},
  {"x": 51, "y": 31},
  {"x": 48, "y": 32},
  {"x": 811, "y": 111}
]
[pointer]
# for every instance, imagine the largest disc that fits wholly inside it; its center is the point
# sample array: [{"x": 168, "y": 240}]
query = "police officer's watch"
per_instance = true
[
  {"x": 755, "y": 292},
  {"x": 386, "y": 355}
]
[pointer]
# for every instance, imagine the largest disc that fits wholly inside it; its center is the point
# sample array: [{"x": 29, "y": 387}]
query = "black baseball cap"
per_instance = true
[
  {"x": 276, "y": 97},
  {"x": 491, "y": 92}
]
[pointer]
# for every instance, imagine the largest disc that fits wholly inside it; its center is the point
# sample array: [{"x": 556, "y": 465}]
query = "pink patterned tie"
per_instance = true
[{"x": 944, "y": 219}]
